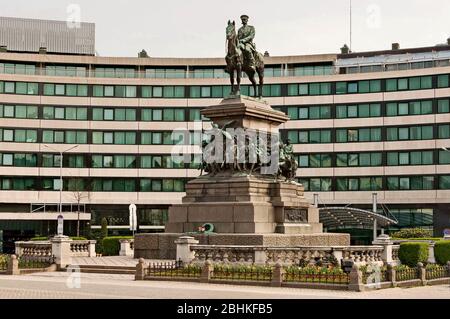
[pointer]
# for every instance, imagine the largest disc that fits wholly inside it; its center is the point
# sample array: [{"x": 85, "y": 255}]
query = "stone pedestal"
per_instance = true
[
  {"x": 245, "y": 206},
  {"x": 61, "y": 251}
]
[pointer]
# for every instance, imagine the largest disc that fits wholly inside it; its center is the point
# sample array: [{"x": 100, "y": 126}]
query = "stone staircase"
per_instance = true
[{"x": 107, "y": 269}]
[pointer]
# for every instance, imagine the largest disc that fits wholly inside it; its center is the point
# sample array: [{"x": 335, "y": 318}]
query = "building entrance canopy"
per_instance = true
[{"x": 350, "y": 217}]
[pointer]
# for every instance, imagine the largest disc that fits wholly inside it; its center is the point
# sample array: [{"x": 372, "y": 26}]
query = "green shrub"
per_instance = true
[
  {"x": 442, "y": 251},
  {"x": 44, "y": 238},
  {"x": 41, "y": 238},
  {"x": 424, "y": 238},
  {"x": 111, "y": 245},
  {"x": 78, "y": 238},
  {"x": 412, "y": 253},
  {"x": 104, "y": 229},
  {"x": 412, "y": 233}
]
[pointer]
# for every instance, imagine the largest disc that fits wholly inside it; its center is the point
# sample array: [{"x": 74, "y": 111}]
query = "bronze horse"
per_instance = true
[{"x": 235, "y": 62}]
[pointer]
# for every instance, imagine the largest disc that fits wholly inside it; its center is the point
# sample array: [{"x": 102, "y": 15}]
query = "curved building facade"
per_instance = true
[{"x": 360, "y": 123}]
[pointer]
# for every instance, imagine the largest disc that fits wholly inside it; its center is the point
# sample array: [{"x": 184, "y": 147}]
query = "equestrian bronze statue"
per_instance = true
[{"x": 242, "y": 56}]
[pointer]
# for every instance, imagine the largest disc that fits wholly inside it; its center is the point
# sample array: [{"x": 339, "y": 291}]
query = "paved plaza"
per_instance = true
[
  {"x": 63, "y": 285},
  {"x": 112, "y": 261}
]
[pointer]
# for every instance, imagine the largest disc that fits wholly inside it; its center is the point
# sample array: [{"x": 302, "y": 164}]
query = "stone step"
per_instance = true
[
  {"x": 115, "y": 271},
  {"x": 107, "y": 269}
]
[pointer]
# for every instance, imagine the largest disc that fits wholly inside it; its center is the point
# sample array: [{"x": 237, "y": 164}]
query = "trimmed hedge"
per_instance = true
[
  {"x": 442, "y": 251},
  {"x": 43, "y": 238},
  {"x": 416, "y": 238},
  {"x": 412, "y": 233},
  {"x": 412, "y": 253},
  {"x": 111, "y": 245}
]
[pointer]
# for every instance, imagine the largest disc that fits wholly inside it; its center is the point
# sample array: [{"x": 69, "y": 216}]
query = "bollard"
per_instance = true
[
  {"x": 391, "y": 275},
  {"x": 207, "y": 270},
  {"x": 422, "y": 273},
  {"x": 277, "y": 275},
  {"x": 184, "y": 252},
  {"x": 140, "y": 270},
  {"x": 13, "y": 266},
  {"x": 356, "y": 280}
]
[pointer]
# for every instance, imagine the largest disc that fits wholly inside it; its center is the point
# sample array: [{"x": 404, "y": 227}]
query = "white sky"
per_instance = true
[{"x": 196, "y": 28}]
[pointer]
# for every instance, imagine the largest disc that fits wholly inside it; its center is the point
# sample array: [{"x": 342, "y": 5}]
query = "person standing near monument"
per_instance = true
[{"x": 246, "y": 34}]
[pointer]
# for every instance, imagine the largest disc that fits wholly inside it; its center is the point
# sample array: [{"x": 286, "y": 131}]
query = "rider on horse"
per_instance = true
[{"x": 246, "y": 34}]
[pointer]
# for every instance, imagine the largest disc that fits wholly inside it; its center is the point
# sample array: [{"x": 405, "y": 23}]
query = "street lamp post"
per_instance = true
[{"x": 60, "y": 172}]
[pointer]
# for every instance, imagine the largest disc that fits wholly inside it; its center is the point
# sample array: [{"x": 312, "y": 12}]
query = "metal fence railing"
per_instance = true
[
  {"x": 305, "y": 275},
  {"x": 371, "y": 275},
  {"x": 404, "y": 273},
  {"x": 256, "y": 273},
  {"x": 4, "y": 260},
  {"x": 33, "y": 262},
  {"x": 436, "y": 272},
  {"x": 172, "y": 269}
]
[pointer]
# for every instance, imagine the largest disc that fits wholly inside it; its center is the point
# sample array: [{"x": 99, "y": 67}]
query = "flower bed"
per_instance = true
[
  {"x": 228, "y": 272},
  {"x": 327, "y": 275}
]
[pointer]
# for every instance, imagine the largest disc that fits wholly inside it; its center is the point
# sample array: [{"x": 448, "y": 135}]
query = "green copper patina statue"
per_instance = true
[
  {"x": 242, "y": 56},
  {"x": 288, "y": 164}
]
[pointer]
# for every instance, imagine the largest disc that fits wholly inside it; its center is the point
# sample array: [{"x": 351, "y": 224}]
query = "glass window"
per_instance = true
[
  {"x": 71, "y": 137},
  {"x": 108, "y": 90},
  {"x": 59, "y": 113},
  {"x": 443, "y": 81},
  {"x": 364, "y": 110},
  {"x": 403, "y": 133},
  {"x": 292, "y": 89},
  {"x": 108, "y": 114},
  {"x": 195, "y": 91},
  {"x": 444, "y": 182},
  {"x": 341, "y": 87},
  {"x": 444, "y": 157},
  {"x": 444, "y": 131},
  {"x": 304, "y": 161},
  {"x": 341, "y": 111},
  {"x": 403, "y": 109},
  {"x": 391, "y": 85},
  {"x": 107, "y": 138},
  {"x": 364, "y": 86},
  {"x": 352, "y": 87},
  {"x": 392, "y": 133},
  {"x": 97, "y": 90},
  {"x": 402, "y": 84},
  {"x": 8, "y": 111},
  {"x": 391, "y": 109},
  {"x": 293, "y": 112},
  {"x": 130, "y": 91},
  {"x": 293, "y": 136},
  {"x": 427, "y": 132},
  {"x": 352, "y": 111},
  {"x": 303, "y": 89},
  {"x": 49, "y": 89},
  {"x": 444, "y": 106}
]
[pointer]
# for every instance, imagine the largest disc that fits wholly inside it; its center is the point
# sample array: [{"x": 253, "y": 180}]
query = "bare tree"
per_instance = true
[{"x": 80, "y": 193}]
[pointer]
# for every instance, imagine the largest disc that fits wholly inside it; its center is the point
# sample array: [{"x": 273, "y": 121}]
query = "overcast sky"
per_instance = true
[{"x": 196, "y": 28}]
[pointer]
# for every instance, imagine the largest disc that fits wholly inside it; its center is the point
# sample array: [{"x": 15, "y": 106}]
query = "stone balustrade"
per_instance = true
[
  {"x": 224, "y": 253},
  {"x": 82, "y": 248},
  {"x": 34, "y": 250},
  {"x": 40, "y": 250},
  {"x": 126, "y": 247},
  {"x": 359, "y": 255},
  {"x": 362, "y": 255},
  {"x": 395, "y": 249},
  {"x": 295, "y": 255}
]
